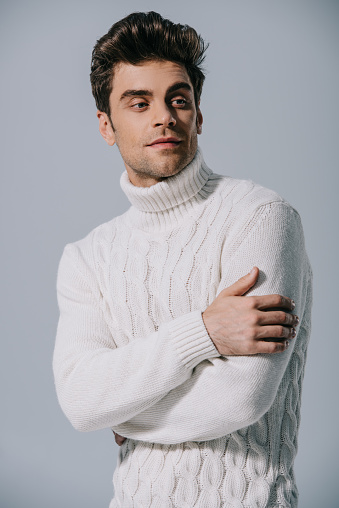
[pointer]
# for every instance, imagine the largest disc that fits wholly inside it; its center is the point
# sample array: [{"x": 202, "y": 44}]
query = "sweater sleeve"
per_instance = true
[
  {"x": 100, "y": 385},
  {"x": 230, "y": 393}
]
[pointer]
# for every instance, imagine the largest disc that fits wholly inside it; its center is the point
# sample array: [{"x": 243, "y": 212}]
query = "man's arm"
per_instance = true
[
  {"x": 229, "y": 393},
  {"x": 100, "y": 385}
]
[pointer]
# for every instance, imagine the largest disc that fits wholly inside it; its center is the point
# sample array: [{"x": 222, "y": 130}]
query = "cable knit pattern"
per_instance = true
[{"x": 132, "y": 352}]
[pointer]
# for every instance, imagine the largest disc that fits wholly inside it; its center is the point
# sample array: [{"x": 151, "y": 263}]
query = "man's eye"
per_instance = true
[
  {"x": 139, "y": 105},
  {"x": 179, "y": 102}
]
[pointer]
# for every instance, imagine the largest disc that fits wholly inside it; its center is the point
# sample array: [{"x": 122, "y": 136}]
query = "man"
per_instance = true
[{"x": 162, "y": 336}]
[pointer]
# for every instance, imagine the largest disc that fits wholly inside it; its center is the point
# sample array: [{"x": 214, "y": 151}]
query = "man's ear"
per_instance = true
[
  {"x": 199, "y": 121},
  {"x": 105, "y": 128}
]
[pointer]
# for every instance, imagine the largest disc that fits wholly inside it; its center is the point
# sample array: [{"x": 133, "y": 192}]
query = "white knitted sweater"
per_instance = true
[{"x": 132, "y": 352}]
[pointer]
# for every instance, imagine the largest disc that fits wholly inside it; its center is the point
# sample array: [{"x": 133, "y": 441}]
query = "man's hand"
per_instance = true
[
  {"x": 251, "y": 325},
  {"x": 119, "y": 439},
  {"x": 247, "y": 326}
]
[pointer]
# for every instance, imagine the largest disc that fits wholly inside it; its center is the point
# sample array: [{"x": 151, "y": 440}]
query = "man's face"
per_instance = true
[{"x": 155, "y": 120}]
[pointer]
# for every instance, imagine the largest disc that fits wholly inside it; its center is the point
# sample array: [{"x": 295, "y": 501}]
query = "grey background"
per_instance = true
[{"x": 270, "y": 106}]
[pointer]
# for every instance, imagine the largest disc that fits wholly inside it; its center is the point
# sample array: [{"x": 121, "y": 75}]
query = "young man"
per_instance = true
[{"x": 156, "y": 338}]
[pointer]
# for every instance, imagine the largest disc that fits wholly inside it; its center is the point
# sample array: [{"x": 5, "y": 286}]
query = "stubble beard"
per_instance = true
[
  {"x": 169, "y": 165},
  {"x": 171, "y": 162}
]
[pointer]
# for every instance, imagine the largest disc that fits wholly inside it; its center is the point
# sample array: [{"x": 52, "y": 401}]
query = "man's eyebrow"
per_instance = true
[
  {"x": 133, "y": 93},
  {"x": 149, "y": 93},
  {"x": 178, "y": 86}
]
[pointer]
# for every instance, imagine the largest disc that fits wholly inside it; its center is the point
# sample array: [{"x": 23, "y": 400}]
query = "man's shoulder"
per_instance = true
[
  {"x": 246, "y": 208},
  {"x": 247, "y": 193},
  {"x": 96, "y": 244},
  {"x": 243, "y": 205}
]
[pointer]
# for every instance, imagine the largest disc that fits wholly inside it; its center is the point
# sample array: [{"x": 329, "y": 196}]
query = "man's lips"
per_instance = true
[{"x": 165, "y": 142}]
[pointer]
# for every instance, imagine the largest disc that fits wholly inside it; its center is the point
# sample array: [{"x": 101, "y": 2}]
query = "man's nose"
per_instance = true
[{"x": 163, "y": 115}]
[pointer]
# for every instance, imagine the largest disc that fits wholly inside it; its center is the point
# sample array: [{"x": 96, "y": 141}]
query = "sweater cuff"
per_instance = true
[{"x": 191, "y": 340}]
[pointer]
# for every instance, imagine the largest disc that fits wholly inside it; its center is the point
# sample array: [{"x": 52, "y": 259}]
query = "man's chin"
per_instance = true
[
  {"x": 170, "y": 164},
  {"x": 158, "y": 165}
]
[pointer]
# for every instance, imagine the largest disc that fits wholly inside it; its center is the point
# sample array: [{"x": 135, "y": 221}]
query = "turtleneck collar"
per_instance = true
[{"x": 171, "y": 192}]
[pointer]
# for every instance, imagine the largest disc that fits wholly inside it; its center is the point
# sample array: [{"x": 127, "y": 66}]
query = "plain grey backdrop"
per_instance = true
[{"x": 271, "y": 111}]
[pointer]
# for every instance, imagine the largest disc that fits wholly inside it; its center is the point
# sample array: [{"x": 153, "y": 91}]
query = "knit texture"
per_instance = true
[{"x": 132, "y": 352}]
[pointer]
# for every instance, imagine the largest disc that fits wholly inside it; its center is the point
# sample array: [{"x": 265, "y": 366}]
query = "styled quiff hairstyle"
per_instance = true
[{"x": 142, "y": 37}]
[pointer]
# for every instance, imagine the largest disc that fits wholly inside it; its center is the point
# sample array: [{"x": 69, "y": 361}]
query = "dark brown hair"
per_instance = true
[{"x": 140, "y": 37}]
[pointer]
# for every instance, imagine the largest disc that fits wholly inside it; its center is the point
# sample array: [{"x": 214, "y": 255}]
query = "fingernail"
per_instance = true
[
  {"x": 252, "y": 271},
  {"x": 296, "y": 320},
  {"x": 286, "y": 343},
  {"x": 293, "y": 304},
  {"x": 294, "y": 333}
]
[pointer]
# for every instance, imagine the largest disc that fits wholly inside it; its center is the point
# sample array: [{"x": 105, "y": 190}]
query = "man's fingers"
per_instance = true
[
  {"x": 278, "y": 317},
  {"x": 271, "y": 347},
  {"x": 118, "y": 439},
  {"x": 273, "y": 301},
  {"x": 242, "y": 285},
  {"x": 277, "y": 332}
]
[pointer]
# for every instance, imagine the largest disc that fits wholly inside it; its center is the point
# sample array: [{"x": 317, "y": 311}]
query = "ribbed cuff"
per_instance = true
[{"x": 191, "y": 340}]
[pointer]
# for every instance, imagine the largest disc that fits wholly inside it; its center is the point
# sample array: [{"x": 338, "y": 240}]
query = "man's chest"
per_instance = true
[{"x": 150, "y": 280}]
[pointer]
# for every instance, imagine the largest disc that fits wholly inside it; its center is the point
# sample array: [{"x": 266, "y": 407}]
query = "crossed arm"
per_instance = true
[
  {"x": 154, "y": 391},
  {"x": 228, "y": 393}
]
